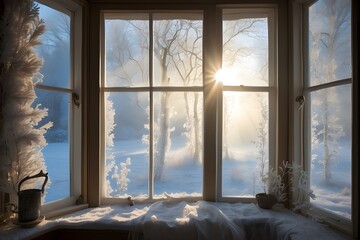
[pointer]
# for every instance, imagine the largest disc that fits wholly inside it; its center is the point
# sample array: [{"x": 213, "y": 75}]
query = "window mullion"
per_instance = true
[
  {"x": 248, "y": 88},
  {"x": 212, "y": 62},
  {"x": 151, "y": 112},
  {"x": 328, "y": 85},
  {"x": 154, "y": 89}
]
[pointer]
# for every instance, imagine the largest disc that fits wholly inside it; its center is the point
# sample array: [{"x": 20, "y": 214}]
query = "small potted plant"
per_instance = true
[
  {"x": 265, "y": 201},
  {"x": 274, "y": 187}
]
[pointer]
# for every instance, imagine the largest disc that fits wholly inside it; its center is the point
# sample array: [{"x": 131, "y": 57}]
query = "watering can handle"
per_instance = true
[{"x": 40, "y": 174}]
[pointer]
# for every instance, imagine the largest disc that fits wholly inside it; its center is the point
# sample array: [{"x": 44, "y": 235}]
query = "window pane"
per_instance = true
[
  {"x": 331, "y": 149},
  {"x": 57, "y": 151},
  {"x": 55, "y": 48},
  {"x": 178, "y": 141},
  {"x": 329, "y": 41},
  {"x": 177, "y": 50},
  {"x": 245, "y": 142},
  {"x": 127, "y": 50},
  {"x": 245, "y": 49},
  {"x": 127, "y": 147}
]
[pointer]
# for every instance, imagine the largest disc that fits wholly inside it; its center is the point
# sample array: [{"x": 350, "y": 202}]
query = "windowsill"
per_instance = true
[
  {"x": 338, "y": 223},
  {"x": 65, "y": 211},
  {"x": 185, "y": 220}
]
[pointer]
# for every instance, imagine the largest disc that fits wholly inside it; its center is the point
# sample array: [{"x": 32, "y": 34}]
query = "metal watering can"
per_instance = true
[{"x": 29, "y": 200}]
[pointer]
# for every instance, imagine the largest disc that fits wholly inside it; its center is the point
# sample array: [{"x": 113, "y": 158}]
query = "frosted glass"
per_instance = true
[
  {"x": 177, "y": 51},
  {"x": 245, "y": 144},
  {"x": 55, "y": 49},
  {"x": 57, "y": 151},
  {"x": 178, "y": 143},
  {"x": 245, "y": 51},
  {"x": 329, "y": 39},
  {"x": 127, "y": 51},
  {"x": 127, "y": 148},
  {"x": 331, "y": 149}
]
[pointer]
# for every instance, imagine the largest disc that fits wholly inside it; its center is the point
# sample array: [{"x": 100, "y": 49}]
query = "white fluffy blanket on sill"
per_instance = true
[
  {"x": 183, "y": 220},
  {"x": 201, "y": 220}
]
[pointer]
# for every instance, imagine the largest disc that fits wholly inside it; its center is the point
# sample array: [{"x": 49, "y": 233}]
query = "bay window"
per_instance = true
[{"x": 199, "y": 101}]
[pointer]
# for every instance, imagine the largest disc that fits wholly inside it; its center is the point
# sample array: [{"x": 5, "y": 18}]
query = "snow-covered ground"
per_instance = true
[
  {"x": 182, "y": 176},
  {"x": 56, "y": 156},
  {"x": 336, "y": 194}
]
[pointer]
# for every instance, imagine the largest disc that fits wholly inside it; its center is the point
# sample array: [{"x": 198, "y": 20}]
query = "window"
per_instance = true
[
  {"x": 152, "y": 105},
  {"x": 58, "y": 91},
  {"x": 328, "y": 83},
  {"x": 152, "y": 92},
  {"x": 248, "y": 101}
]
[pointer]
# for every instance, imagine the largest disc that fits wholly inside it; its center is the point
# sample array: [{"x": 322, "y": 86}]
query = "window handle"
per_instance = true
[
  {"x": 300, "y": 100},
  {"x": 76, "y": 99}
]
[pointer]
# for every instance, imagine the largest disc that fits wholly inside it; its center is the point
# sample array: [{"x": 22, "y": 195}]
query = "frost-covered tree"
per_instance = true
[
  {"x": 55, "y": 48},
  {"x": 186, "y": 59},
  {"x": 262, "y": 138},
  {"x": 112, "y": 170},
  {"x": 109, "y": 144},
  {"x": 121, "y": 177},
  {"x": 328, "y": 36},
  {"x": 176, "y": 50},
  {"x": 234, "y": 33},
  {"x": 22, "y": 139}
]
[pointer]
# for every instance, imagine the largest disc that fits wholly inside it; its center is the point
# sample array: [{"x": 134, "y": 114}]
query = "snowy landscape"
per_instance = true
[
  {"x": 177, "y": 130},
  {"x": 187, "y": 178}
]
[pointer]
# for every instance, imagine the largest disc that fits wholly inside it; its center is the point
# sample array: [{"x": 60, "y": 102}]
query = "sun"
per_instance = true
[
  {"x": 227, "y": 76},
  {"x": 220, "y": 75}
]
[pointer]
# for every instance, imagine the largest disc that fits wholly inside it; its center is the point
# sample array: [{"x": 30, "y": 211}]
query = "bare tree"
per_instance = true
[
  {"x": 327, "y": 40},
  {"x": 234, "y": 33},
  {"x": 55, "y": 50},
  {"x": 177, "y": 52}
]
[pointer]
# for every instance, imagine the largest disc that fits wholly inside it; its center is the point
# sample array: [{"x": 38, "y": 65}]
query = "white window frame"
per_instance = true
[
  {"x": 271, "y": 14},
  {"x": 75, "y": 12}
]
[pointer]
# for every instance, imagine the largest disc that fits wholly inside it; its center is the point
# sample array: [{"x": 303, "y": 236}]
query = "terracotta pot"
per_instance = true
[{"x": 265, "y": 201}]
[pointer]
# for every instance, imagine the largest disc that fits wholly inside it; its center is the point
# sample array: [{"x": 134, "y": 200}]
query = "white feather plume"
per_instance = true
[{"x": 21, "y": 137}]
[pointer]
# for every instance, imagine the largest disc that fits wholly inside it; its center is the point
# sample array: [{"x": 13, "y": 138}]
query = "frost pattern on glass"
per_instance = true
[
  {"x": 245, "y": 152},
  {"x": 178, "y": 144},
  {"x": 330, "y": 116},
  {"x": 177, "y": 52},
  {"x": 55, "y": 51},
  {"x": 246, "y": 51},
  {"x": 55, "y": 48},
  {"x": 176, "y": 128},
  {"x": 127, "y": 52},
  {"x": 329, "y": 41},
  {"x": 331, "y": 149},
  {"x": 127, "y": 157},
  {"x": 57, "y": 151}
]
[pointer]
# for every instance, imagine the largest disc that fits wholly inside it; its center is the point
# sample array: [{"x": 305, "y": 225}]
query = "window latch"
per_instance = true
[
  {"x": 300, "y": 100},
  {"x": 76, "y": 99}
]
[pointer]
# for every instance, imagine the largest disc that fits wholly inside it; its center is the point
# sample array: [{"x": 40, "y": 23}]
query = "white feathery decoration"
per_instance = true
[{"x": 21, "y": 137}]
